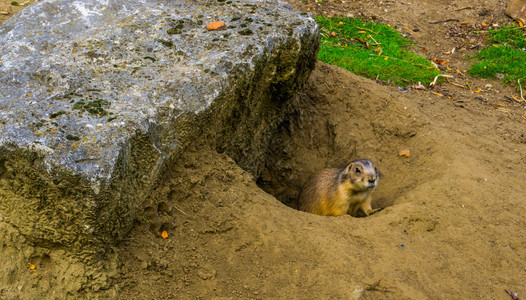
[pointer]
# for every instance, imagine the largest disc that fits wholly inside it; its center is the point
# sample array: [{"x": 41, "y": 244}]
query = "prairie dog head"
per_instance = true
[{"x": 362, "y": 174}]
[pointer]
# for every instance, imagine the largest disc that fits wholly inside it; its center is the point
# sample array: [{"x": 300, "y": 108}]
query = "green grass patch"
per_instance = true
[
  {"x": 503, "y": 57},
  {"x": 372, "y": 50}
]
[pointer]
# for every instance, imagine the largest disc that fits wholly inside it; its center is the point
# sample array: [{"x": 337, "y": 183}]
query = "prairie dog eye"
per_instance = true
[{"x": 357, "y": 170}]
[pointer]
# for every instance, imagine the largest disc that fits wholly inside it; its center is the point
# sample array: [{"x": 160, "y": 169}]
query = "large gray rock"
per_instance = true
[{"x": 99, "y": 97}]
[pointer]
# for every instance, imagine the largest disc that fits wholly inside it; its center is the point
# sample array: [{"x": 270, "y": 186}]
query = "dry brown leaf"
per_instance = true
[{"x": 439, "y": 61}]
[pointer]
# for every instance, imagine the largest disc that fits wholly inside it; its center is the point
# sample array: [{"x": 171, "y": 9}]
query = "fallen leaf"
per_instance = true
[
  {"x": 164, "y": 234},
  {"x": 477, "y": 91},
  {"x": 438, "y": 94},
  {"x": 361, "y": 31},
  {"x": 32, "y": 266},
  {"x": 386, "y": 57},
  {"x": 405, "y": 153},
  {"x": 516, "y": 99},
  {"x": 333, "y": 34},
  {"x": 439, "y": 61},
  {"x": 424, "y": 50},
  {"x": 308, "y": 9},
  {"x": 219, "y": 25}
]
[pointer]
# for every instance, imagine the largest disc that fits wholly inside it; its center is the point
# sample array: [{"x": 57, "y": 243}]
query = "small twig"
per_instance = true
[
  {"x": 374, "y": 40},
  {"x": 462, "y": 8},
  {"x": 444, "y": 21},
  {"x": 436, "y": 77},
  {"x": 367, "y": 30},
  {"x": 180, "y": 210},
  {"x": 409, "y": 29},
  {"x": 520, "y": 86},
  {"x": 456, "y": 84}
]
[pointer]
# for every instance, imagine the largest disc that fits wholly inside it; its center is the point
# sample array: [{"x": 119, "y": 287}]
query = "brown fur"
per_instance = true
[{"x": 336, "y": 192}]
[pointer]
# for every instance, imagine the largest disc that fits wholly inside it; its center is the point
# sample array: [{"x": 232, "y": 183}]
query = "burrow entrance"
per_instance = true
[{"x": 340, "y": 117}]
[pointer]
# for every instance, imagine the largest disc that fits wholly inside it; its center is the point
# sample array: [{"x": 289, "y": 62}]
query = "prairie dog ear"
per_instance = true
[{"x": 378, "y": 174}]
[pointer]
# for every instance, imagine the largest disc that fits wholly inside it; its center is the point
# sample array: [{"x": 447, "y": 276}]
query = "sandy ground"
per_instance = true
[
  {"x": 454, "y": 218},
  {"x": 452, "y": 227},
  {"x": 7, "y": 9}
]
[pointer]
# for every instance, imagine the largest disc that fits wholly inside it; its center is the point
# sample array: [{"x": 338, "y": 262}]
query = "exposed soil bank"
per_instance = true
[{"x": 452, "y": 227}]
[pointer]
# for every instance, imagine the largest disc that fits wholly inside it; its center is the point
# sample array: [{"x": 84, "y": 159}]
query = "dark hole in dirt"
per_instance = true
[
  {"x": 331, "y": 124},
  {"x": 164, "y": 208},
  {"x": 43, "y": 261},
  {"x": 165, "y": 226},
  {"x": 2, "y": 168}
]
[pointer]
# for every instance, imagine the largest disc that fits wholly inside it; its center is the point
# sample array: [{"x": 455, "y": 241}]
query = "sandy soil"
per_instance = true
[
  {"x": 7, "y": 9},
  {"x": 452, "y": 227},
  {"x": 454, "y": 218}
]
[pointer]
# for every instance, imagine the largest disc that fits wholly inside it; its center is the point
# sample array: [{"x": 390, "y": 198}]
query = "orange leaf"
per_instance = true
[
  {"x": 32, "y": 266},
  {"x": 405, "y": 153},
  {"x": 386, "y": 57},
  {"x": 308, "y": 9},
  {"x": 439, "y": 61},
  {"x": 219, "y": 25},
  {"x": 333, "y": 34},
  {"x": 164, "y": 234},
  {"x": 448, "y": 68},
  {"x": 477, "y": 91},
  {"x": 438, "y": 94},
  {"x": 424, "y": 50},
  {"x": 361, "y": 31},
  {"x": 520, "y": 24}
]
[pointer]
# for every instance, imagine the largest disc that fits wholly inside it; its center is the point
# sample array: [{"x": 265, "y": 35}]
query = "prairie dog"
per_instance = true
[{"x": 336, "y": 192}]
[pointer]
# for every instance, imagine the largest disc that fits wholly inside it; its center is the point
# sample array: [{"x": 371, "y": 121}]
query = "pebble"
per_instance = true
[
  {"x": 206, "y": 274},
  {"x": 405, "y": 153},
  {"x": 144, "y": 265}
]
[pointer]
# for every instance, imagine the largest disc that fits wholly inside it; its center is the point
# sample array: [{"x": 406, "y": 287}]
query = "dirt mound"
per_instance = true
[{"x": 452, "y": 227}]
